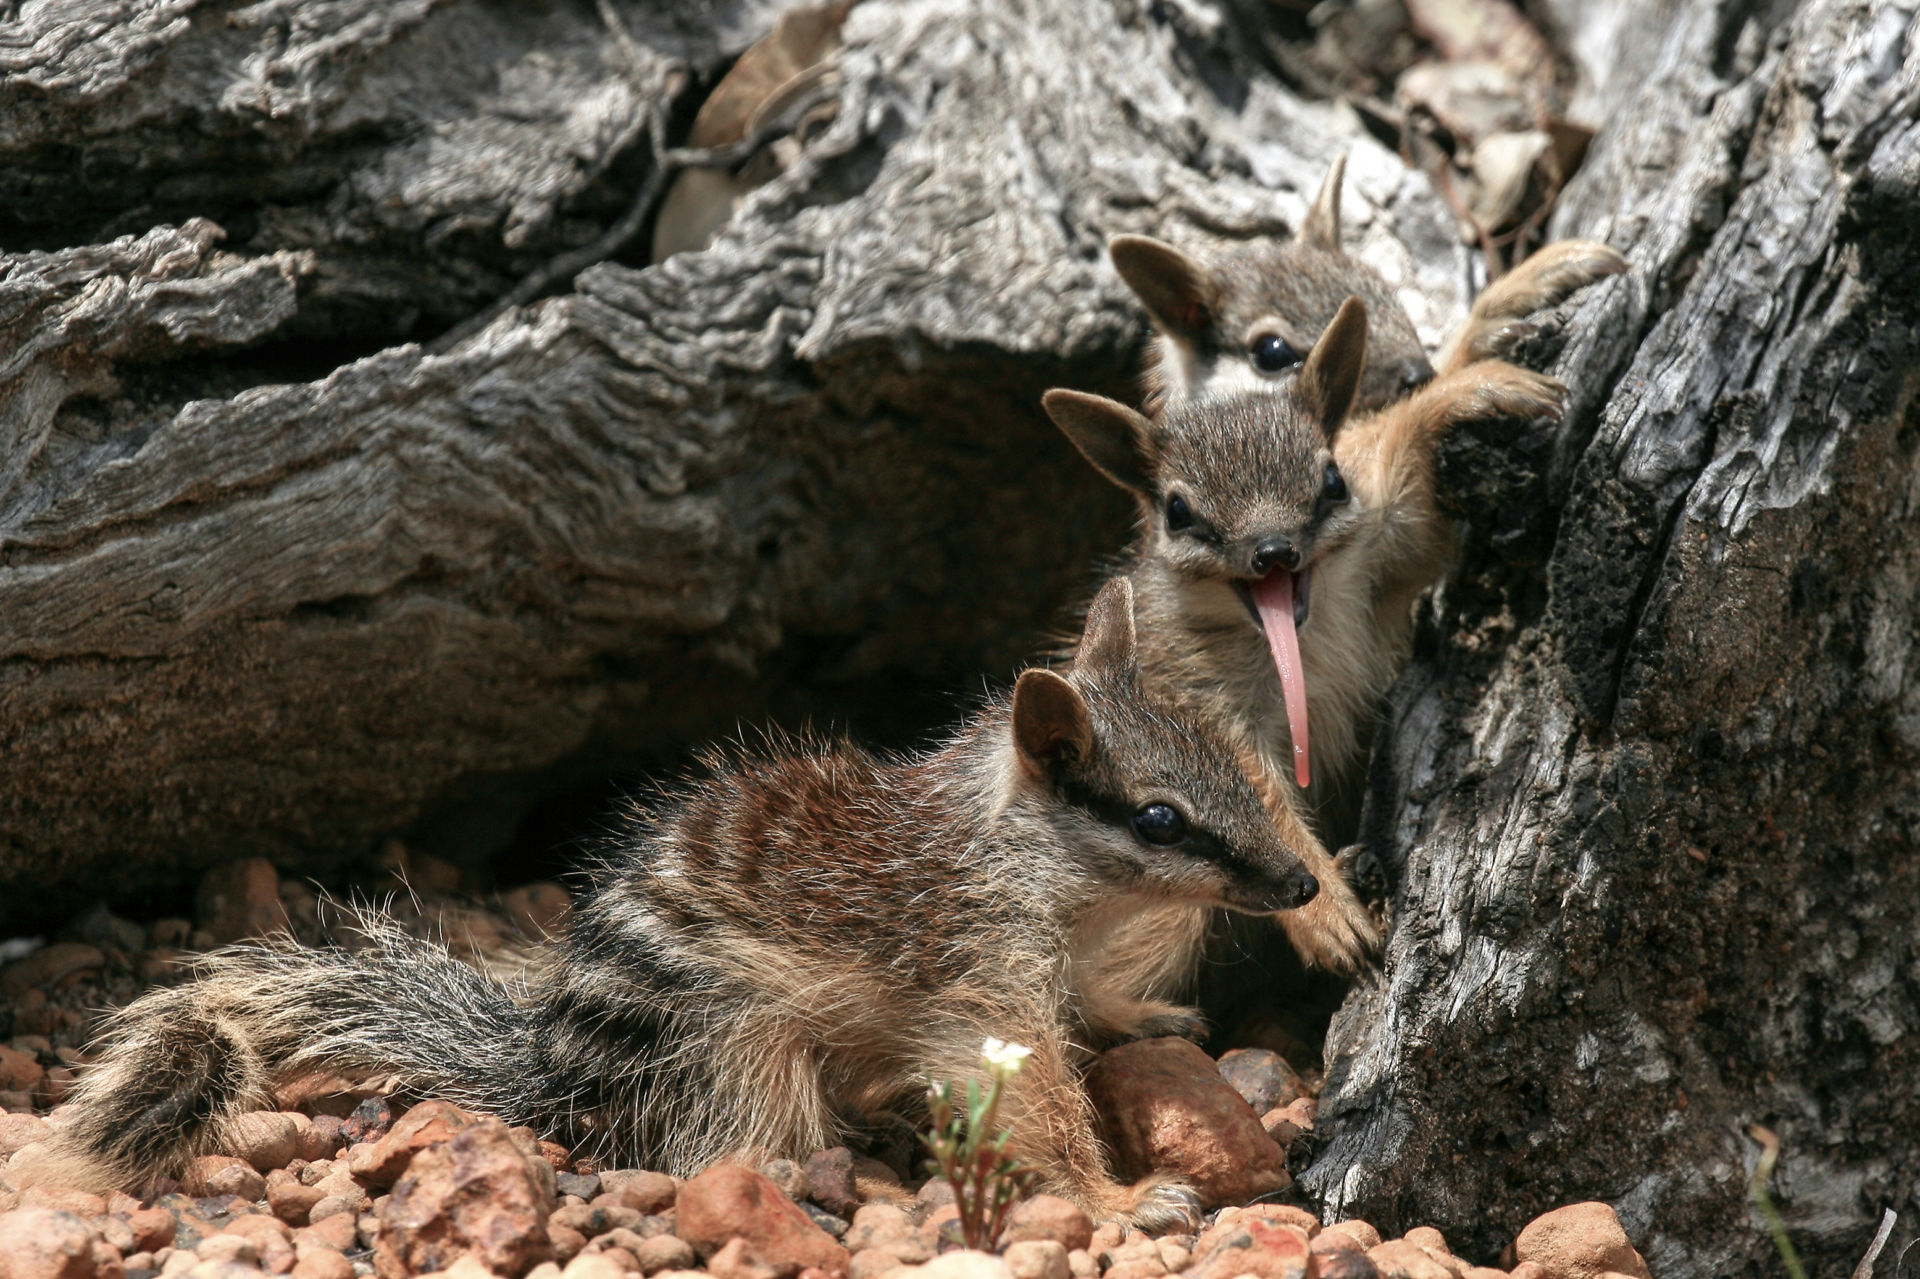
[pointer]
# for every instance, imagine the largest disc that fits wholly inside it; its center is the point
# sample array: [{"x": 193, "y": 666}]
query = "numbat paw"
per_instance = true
[
  {"x": 1506, "y": 390},
  {"x": 1333, "y": 930},
  {"x": 1546, "y": 279},
  {"x": 1166, "y": 1207},
  {"x": 1182, "y": 1023}
]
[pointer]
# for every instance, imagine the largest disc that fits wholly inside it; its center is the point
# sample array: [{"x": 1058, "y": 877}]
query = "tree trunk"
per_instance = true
[
  {"x": 275, "y": 579},
  {"x": 1649, "y": 790}
]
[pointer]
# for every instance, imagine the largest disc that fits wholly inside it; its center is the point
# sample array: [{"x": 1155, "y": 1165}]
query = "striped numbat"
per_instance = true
[
  {"x": 1244, "y": 320},
  {"x": 768, "y": 958},
  {"x": 1280, "y": 548}
]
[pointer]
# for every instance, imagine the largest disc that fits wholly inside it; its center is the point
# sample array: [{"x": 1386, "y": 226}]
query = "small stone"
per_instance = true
[
  {"x": 19, "y": 1072},
  {"x": 962, "y": 1264},
  {"x": 1428, "y": 1237},
  {"x": 567, "y": 1242},
  {"x": 1284, "y": 1215},
  {"x": 727, "y": 1202},
  {"x": 152, "y": 1228},
  {"x": 835, "y": 1226},
  {"x": 787, "y": 1175},
  {"x": 1262, "y": 1076},
  {"x": 1252, "y": 1246},
  {"x": 292, "y": 1203},
  {"x": 99, "y": 926},
  {"x": 871, "y": 1263},
  {"x": 545, "y": 1270},
  {"x": 336, "y": 1233},
  {"x": 1045, "y": 1217},
  {"x": 568, "y": 1183},
  {"x": 51, "y": 966},
  {"x": 665, "y": 1252},
  {"x": 830, "y": 1181},
  {"x": 1165, "y": 1108},
  {"x": 1579, "y": 1241},
  {"x": 20, "y": 1131},
  {"x": 1484, "y": 1272},
  {"x": 592, "y": 1265},
  {"x": 334, "y": 1206},
  {"x": 224, "y": 1247},
  {"x": 647, "y": 1192},
  {"x": 369, "y": 1121},
  {"x": 1359, "y": 1231},
  {"x": 1037, "y": 1259},
  {"x": 1172, "y": 1255},
  {"x": 240, "y": 899},
  {"x": 941, "y": 1229},
  {"x": 1399, "y": 1259},
  {"x": 380, "y": 1163},
  {"x": 1529, "y": 1270},
  {"x": 1082, "y": 1264},
  {"x": 40, "y": 1243},
  {"x": 226, "y": 1175},
  {"x": 323, "y": 1138},
  {"x": 1299, "y": 1113},
  {"x": 883, "y": 1225},
  {"x": 1352, "y": 1264},
  {"x": 738, "y": 1261},
  {"x": 477, "y": 1193},
  {"x": 266, "y": 1139}
]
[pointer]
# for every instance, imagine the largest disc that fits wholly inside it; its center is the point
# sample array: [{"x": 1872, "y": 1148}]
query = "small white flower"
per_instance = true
[{"x": 1001, "y": 1055}]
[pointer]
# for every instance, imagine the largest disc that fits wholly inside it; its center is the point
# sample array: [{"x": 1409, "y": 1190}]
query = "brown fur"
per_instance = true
[
  {"x": 1253, "y": 465},
  {"x": 765, "y": 960},
  {"x": 1207, "y": 316}
]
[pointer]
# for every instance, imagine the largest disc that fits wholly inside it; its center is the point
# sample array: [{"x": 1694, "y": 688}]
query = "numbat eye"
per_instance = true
[
  {"x": 1271, "y": 353},
  {"x": 1178, "y": 516},
  {"x": 1160, "y": 824},
  {"x": 1335, "y": 488}
]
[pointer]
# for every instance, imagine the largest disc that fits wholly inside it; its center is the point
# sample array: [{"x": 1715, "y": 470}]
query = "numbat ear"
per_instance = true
[
  {"x": 1050, "y": 722},
  {"x": 1117, "y": 440},
  {"x": 1322, "y": 226},
  {"x": 1177, "y": 291},
  {"x": 1107, "y": 640},
  {"x": 1331, "y": 373}
]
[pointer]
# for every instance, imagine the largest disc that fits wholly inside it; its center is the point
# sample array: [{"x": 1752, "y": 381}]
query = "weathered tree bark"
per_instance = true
[
  {"x": 802, "y": 473},
  {"x": 1648, "y": 793},
  {"x": 1650, "y": 789}
]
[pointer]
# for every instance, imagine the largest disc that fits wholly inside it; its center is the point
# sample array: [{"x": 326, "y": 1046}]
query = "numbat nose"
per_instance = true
[
  {"x": 1415, "y": 374},
  {"x": 1275, "y": 550}
]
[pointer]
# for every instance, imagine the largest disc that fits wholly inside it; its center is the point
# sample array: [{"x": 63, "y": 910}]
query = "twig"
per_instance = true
[
  {"x": 1865, "y": 1269},
  {"x": 1769, "y": 1153},
  {"x": 672, "y": 160}
]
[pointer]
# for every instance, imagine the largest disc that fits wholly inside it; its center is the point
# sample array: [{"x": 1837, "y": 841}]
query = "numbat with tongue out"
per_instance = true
[{"x": 1281, "y": 547}]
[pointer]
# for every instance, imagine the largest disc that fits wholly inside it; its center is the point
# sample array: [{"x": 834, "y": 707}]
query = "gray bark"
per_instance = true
[
  {"x": 802, "y": 473},
  {"x": 1650, "y": 790},
  {"x": 273, "y": 579}
]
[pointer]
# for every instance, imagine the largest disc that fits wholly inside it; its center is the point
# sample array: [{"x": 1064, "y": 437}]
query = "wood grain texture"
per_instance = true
[
  {"x": 1651, "y": 791},
  {"x": 803, "y": 473}
]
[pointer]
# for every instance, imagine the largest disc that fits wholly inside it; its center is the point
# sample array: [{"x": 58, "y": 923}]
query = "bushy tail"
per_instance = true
[{"x": 177, "y": 1066}]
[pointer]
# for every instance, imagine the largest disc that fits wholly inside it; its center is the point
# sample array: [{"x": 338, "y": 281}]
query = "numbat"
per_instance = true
[
  {"x": 767, "y": 958},
  {"x": 1268, "y": 517},
  {"x": 1246, "y": 320}
]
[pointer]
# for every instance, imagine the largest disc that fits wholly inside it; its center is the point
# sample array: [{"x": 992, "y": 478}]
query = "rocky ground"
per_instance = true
[{"x": 345, "y": 1181}]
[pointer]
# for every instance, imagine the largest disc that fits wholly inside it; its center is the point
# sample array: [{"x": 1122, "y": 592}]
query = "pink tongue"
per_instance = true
[{"x": 1273, "y": 598}]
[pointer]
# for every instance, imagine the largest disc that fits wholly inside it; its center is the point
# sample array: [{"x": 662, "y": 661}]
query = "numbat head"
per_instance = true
[
  {"x": 806, "y": 940},
  {"x": 1242, "y": 491},
  {"x": 1247, "y": 319}
]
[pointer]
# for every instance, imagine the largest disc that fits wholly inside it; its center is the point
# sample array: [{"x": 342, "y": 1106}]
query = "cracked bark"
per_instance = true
[{"x": 274, "y": 580}]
